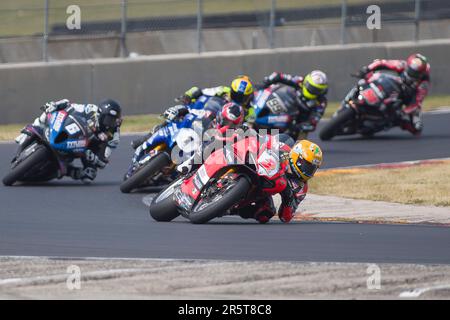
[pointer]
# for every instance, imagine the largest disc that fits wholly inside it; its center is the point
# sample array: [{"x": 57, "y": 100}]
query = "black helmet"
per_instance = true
[{"x": 110, "y": 115}]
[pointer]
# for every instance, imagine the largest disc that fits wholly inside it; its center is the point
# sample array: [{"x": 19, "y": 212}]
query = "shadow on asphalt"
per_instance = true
[
  {"x": 248, "y": 222},
  {"x": 374, "y": 138},
  {"x": 52, "y": 184},
  {"x": 149, "y": 190}
]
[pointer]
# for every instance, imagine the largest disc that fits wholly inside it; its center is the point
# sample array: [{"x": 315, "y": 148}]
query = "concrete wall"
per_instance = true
[{"x": 149, "y": 84}]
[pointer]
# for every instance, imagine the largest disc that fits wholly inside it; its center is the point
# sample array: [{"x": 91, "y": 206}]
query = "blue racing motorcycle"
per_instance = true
[
  {"x": 46, "y": 155},
  {"x": 153, "y": 163}
]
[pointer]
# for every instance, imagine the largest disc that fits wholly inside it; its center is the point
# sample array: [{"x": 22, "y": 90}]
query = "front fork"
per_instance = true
[{"x": 27, "y": 136}]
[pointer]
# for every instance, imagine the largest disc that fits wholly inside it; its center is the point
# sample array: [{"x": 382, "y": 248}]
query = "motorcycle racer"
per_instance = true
[
  {"x": 230, "y": 118},
  {"x": 415, "y": 74},
  {"x": 240, "y": 92},
  {"x": 311, "y": 93},
  {"x": 300, "y": 161},
  {"x": 104, "y": 121}
]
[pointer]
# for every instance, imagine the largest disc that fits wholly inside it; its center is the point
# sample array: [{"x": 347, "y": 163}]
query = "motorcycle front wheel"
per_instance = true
[
  {"x": 163, "y": 208},
  {"x": 216, "y": 204},
  {"x": 332, "y": 127},
  {"x": 27, "y": 166},
  {"x": 153, "y": 166}
]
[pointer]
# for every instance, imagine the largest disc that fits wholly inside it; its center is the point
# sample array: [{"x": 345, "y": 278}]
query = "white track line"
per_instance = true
[{"x": 419, "y": 291}]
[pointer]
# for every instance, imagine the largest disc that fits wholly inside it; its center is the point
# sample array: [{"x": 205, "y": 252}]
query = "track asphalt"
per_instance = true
[{"x": 65, "y": 218}]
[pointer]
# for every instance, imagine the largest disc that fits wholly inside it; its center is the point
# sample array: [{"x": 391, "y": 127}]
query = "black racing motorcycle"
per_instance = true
[
  {"x": 373, "y": 105},
  {"x": 276, "y": 107}
]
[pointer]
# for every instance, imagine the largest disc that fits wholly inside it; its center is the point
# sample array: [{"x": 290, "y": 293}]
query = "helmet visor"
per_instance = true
[
  {"x": 313, "y": 90},
  {"x": 240, "y": 98},
  {"x": 111, "y": 122},
  {"x": 415, "y": 74},
  {"x": 306, "y": 168},
  {"x": 225, "y": 122}
]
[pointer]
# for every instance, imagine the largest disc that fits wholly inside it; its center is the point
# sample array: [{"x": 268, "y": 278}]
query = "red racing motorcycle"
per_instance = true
[
  {"x": 230, "y": 178},
  {"x": 373, "y": 105}
]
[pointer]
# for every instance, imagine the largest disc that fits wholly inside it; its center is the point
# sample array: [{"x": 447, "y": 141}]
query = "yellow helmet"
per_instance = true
[
  {"x": 305, "y": 158},
  {"x": 315, "y": 84},
  {"x": 241, "y": 90}
]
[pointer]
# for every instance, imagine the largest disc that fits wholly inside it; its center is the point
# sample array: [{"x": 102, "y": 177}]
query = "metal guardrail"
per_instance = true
[
  {"x": 354, "y": 15},
  {"x": 266, "y": 15}
]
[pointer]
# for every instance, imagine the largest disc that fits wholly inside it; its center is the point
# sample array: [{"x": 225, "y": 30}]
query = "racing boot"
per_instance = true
[
  {"x": 412, "y": 122},
  {"x": 417, "y": 121},
  {"x": 261, "y": 211}
]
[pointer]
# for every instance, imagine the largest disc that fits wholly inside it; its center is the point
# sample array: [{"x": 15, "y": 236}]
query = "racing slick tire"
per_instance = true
[
  {"x": 331, "y": 128},
  {"x": 149, "y": 169},
  {"x": 202, "y": 213}
]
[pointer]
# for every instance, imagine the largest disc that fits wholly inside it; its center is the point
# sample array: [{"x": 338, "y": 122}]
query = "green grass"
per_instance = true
[
  {"x": 143, "y": 123},
  {"x": 10, "y": 131},
  {"x": 430, "y": 187},
  {"x": 26, "y": 17}
]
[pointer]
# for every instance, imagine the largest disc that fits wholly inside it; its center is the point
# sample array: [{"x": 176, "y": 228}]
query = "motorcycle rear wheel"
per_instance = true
[
  {"x": 39, "y": 156},
  {"x": 204, "y": 212}
]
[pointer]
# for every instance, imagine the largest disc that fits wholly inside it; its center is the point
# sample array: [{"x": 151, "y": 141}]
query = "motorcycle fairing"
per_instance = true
[
  {"x": 65, "y": 134},
  {"x": 270, "y": 110},
  {"x": 267, "y": 165}
]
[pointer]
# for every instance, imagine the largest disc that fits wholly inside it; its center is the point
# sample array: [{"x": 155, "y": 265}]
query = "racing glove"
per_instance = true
[
  {"x": 49, "y": 107},
  {"x": 363, "y": 72},
  {"x": 274, "y": 77},
  {"x": 190, "y": 96},
  {"x": 52, "y": 106}
]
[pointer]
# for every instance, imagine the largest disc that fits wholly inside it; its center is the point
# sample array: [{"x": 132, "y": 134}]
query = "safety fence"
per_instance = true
[{"x": 175, "y": 26}]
